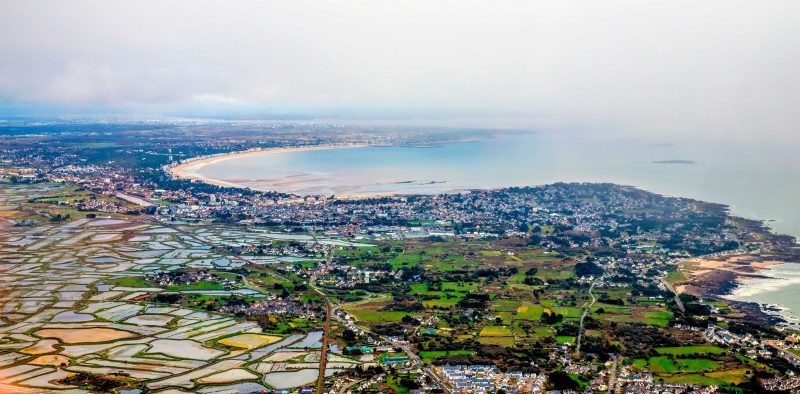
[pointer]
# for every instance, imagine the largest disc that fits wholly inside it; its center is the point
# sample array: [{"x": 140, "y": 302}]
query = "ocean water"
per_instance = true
[
  {"x": 780, "y": 286},
  {"x": 758, "y": 180}
]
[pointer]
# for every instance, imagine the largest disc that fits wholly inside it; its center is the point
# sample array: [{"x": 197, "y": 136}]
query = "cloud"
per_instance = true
[
  {"x": 210, "y": 98},
  {"x": 81, "y": 83},
  {"x": 719, "y": 67}
]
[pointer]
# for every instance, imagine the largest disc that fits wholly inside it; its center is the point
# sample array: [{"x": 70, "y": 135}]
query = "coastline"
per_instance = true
[
  {"x": 720, "y": 277},
  {"x": 188, "y": 169},
  {"x": 715, "y": 276},
  {"x": 772, "y": 291}
]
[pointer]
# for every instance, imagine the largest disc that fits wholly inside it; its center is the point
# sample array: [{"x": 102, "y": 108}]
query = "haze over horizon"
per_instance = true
[{"x": 718, "y": 69}]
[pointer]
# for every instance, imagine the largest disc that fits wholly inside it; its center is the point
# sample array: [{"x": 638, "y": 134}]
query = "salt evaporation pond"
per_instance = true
[
  {"x": 312, "y": 340},
  {"x": 286, "y": 380},
  {"x": 71, "y": 317},
  {"x": 183, "y": 348},
  {"x": 234, "y": 388}
]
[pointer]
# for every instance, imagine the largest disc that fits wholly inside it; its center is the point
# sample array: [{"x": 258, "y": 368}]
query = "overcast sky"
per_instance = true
[{"x": 717, "y": 67}]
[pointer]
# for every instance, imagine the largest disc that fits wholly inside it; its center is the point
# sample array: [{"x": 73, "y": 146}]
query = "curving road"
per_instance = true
[{"x": 583, "y": 316}]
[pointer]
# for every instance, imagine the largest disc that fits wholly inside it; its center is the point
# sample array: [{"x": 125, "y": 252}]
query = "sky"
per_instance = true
[{"x": 719, "y": 68}]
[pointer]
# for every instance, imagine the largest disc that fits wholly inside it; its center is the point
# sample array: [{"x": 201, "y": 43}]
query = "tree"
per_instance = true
[
  {"x": 559, "y": 380},
  {"x": 349, "y": 335}
]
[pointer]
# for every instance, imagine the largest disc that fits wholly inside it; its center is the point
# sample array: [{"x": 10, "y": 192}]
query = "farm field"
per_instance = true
[
  {"x": 214, "y": 308},
  {"x": 689, "y": 350},
  {"x": 75, "y": 302}
]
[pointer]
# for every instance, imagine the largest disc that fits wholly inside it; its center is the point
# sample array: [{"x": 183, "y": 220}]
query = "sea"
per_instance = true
[
  {"x": 757, "y": 179},
  {"x": 778, "y": 289}
]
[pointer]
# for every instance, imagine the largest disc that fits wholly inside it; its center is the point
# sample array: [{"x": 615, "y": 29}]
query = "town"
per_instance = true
[{"x": 113, "y": 265}]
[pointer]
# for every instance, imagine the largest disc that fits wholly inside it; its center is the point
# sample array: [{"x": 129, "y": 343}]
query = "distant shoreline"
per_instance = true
[{"x": 188, "y": 169}]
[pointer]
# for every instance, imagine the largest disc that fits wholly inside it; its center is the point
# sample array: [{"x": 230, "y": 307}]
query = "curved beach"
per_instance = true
[{"x": 189, "y": 169}]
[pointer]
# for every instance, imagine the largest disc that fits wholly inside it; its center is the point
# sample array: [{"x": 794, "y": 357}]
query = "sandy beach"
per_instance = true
[
  {"x": 742, "y": 265},
  {"x": 190, "y": 169},
  {"x": 728, "y": 276},
  {"x": 720, "y": 275}
]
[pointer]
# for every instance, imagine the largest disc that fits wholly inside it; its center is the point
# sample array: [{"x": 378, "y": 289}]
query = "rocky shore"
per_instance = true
[{"x": 718, "y": 277}]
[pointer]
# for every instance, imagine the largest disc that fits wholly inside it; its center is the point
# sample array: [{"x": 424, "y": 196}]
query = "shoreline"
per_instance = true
[
  {"x": 719, "y": 277},
  {"x": 750, "y": 288},
  {"x": 715, "y": 276},
  {"x": 188, "y": 169}
]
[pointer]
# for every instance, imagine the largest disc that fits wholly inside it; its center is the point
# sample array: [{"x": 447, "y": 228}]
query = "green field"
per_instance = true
[
  {"x": 689, "y": 350},
  {"x": 130, "y": 281},
  {"x": 441, "y": 302},
  {"x": 562, "y": 339},
  {"x": 405, "y": 261},
  {"x": 734, "y": 376},
  {"x": 658, "y": 315},
  {"x": 698, "y": 365},
  {"x": 675, "y": 277},
  {"x": 539, "y": 256},
  {"x": 631, "y": 319},
  {"x": 202, "y": 285},
  {"x": 568, "y": 311},
  {"x": 692, "y": 379},
  {"x": 449, "y": 263},
  {"x": 542, "y": 332},
  {"x": 496, "y": 331},
  {"x": 550, "y": 274},
  {"x": 458, "y": 286},
  {"x": 491, "y": 253},
  {"x": 529, "y": 311},
  {"x": 419, "y": 288},
  {"x": 662, "y": 365},
  {"x": 611, "y": 309},
  {"x": 502, "y": 341},
  {"x": 434, "y": 354},
  {"x": 505, "y": 305},
  {"x": 372, "y": 316}
]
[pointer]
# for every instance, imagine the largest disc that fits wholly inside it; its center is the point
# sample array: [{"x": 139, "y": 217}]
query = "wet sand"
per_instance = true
[{"x": 190, "y": 169}]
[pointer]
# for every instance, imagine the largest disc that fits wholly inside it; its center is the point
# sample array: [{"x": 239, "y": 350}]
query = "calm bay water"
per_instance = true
[{"x": 757, "y": 180}]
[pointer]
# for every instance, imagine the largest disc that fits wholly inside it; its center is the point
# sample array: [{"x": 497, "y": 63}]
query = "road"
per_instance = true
[
  {"x": 677, "y": 296},
  {"x": 347, "y": 386},
  {"x": 786, "y": 353},
  {"x": 613, "y": 377},
  {"x": 402, "y": 346},
  {"x": 323, "y": 356},
  {"x": 583, "y": 316},
  {"x": 678, "y": 263},
  {"x": 332, "y": 311}
]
